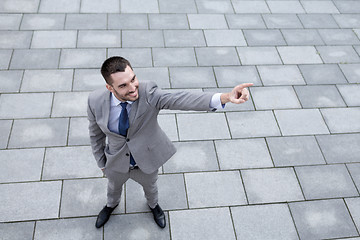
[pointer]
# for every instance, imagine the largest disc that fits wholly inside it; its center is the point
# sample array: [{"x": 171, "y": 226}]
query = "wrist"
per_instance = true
[{"x": 224, "y": 98}]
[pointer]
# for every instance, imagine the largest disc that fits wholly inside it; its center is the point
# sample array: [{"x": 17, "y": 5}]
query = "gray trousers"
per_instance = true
[{"x": 116, "y": 180}]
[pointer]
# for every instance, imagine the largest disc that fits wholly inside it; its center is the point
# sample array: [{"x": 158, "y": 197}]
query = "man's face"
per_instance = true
[{"x": 125, "y": 85}]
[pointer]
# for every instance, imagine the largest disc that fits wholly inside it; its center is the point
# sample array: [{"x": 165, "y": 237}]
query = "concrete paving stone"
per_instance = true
[
  {"x": 184, "y": 38},
  {"x": 214, "y": 6},
  {"x": 280, "y": 75},
  {"x": 326, "y": 181},
  {"x": 10, "y": 21},
  {"x": 5, "y": 127},
  {"x": 30, "y": 201},
  {"x": 171, "y": 189},
  {"x": 85, "y": 197},
  {"x": 167, "y": 123},
  {"x": 301, "y": 122},
  {"x": 271, "y": 221},
  {"x": 258, "y": 55},
  {"x": 54, "y": 39},
  {"x": 159, "y": 75},
  {"x": 295, "y": 151},
  {"x": 271, "y": 185},
  {"x": 352, "y": 72},
  {"x": 243, "y": 153},
  {"x": 20, "y": 6},
  {"x": 264, "y": 37},
  {"x": 5, "y": 56},
  {"x": 339, "y": 36},
  {"x": 139, "y": 6},
  {"x": 35, "y": 58},
  {"x": 282, "y": 21},
  {"x": 353, "y": 205},
  {"x": 250, "y": 6},
  {"x": 342, "y": 120},
  {"x": 350, "y": 93},
  {"x": 39, "y": 133},
  {"x": 25, "y": 105},
  {"x": 86, "y": 21},
  {"x": 82, "y": 58},
  {"x": 72, "y": 229},
  {"x": 357, "y": 48},
  {"x": 142, "y": 38},
  {"x": 319, "y": 7},
  {"x": 282, "y": 97},
  {"x": 168, "y": 21},
  {"x": 299, "y": 55},
  {"x": 47, "y": 80},
  {"x": 285, "y": 7},
  {"x": 318, "y": 20},
  {"x": 69, "y": 162},
  {"x": 42, "y": 21},
  {"x": 21, "y": 165},
  {"x": 252, "y": 124},
  {"x": 164, "y": 57},
  {"x": 207, "y": 21},
  {"x": 69, "y": 104},
  {"x": 319, "y": 96},
  {"x": 214, "y": 189},
  {"x": 87, "y": 80},
  {"x": 138, "y": 57},
  {"x": 99, "y": 38},
  {"x": 347, "y": 20},
  {"x": 135, "y": 226},
  {"x": 192, "y": 77},
  {"x": 17, "y": 231},
  {"x": 173, "y": 6},
  {"x": 224, "y": 38},
  {"x": 100, "y": 6},
  {"x": 302, "y": 37},
  {"x": 322, "y": 74},
  {"x": 15, "y": 39},
  {"x": 192, "y": 157},
  {"x": 340, "y": 148},
  {"x": 59, "y": 6},
  {"x": 245, "y": 21},
  {"x": 338, "y": 54},
  {"x": 232, "y": 76},
  {"x": 201, "y": 224},
  {"x": 322, "y": 219},
  {"x": 127, "y": 21},
  {"x": 10, "y": 81},
  {"x": 198, "y": 126},
  {"x": 78, "y": 132},
  {"x": 348, "y": 6},
  {"x": 354, "y": 170}
]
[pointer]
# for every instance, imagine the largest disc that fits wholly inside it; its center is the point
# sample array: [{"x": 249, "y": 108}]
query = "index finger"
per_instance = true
[{"x": 243, "y": 85}]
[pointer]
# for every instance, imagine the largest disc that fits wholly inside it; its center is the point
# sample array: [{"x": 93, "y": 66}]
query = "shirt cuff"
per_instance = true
[{"x": 215, "y": 102}]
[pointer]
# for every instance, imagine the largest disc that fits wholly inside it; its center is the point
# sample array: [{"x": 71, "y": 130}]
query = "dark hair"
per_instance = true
[{"x": 113, "y": 65}]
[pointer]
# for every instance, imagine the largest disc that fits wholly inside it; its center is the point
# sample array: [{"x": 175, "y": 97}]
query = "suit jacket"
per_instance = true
[{"x": 145, "y": 140}]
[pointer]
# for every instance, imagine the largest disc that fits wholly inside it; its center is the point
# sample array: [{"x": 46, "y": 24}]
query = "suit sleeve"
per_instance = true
[
  {"x": 199, "y": 101},
  {"x": 97, "y": 138}
]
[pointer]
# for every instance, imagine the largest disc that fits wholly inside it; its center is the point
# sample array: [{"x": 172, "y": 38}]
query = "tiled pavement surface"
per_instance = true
[{"x": 285, "y": 165}]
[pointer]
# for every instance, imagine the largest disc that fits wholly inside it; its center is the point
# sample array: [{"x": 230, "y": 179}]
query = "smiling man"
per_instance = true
[{"x": 125, "y": 113}]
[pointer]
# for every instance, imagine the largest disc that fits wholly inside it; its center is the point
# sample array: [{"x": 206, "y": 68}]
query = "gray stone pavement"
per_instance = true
[{"x": 284, "y": 165}]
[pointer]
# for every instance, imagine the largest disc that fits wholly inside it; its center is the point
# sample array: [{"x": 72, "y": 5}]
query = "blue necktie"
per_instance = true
[{"x": 124, "y": 125}]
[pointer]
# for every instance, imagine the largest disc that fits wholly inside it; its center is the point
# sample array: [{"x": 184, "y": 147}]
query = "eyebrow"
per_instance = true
[{"x": 124, "y": 84}]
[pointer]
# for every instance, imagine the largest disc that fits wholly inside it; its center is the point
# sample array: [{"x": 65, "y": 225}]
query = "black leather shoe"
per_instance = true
[
  {"x": 104, "y": 216},
  {"x": 159, "y": 216}
]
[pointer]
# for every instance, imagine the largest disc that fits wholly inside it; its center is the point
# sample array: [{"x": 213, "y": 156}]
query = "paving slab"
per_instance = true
[
  {"x": 299, "y": 55},
  {"x": 10, "y": 81},
  {"x": 5, "y": 56},
  {"x": 322, "y": 74},
  {"x": 20, "y": 6},
  {"x": 232, "y": 76},
  {"x": 295, "y": 151},
  {"x": 268, "y": 37},
  {"x": 68, "y": 104},
  {"x": 139, "y": 57},
  {"x": 250, "y": 6},
  {"x": 82, "y": 58},
  {"x": 168, "y": 124},
  {"x": 302, "y": 37},
  {"x": 338, "y": 36},
  {"x": 184, "y": 38},
  {"x": 245, "y": 21},
  {"x": 285, "y": 7},
  {"x": 352, "y": 72},
  {"x": 61, "y": 6},
  {"x": 163, "y": 57},
  {"x": 128, "y": 21},
  {"x": 86, "y": 21},
  {"x": 54, "y": 39},
  {"x": 18, "y": 231},
  {"x": 168, "y": 21},
  {"x": 280, "y": 75},
  {"x": 338, "y": 54},
  {"x": 217, "y": 56},
  {"x": 99, "y": 38},
  {"x": 318, "y": 20},
  {"x": 142, "y": 38},
  {"x": 207, "y": 21},
  {"x": 224, "y": 38},
  {"x": 282, "y": 20},
  {"x": 42, "y": 21},
  {"x": 258, "y": 55},
  {"x": 5, "y": 128},
  {"x": 354, "y": 170},
  {"x": 348, "y": 6},
  {"x": 353, "y": 205},
  {"x": 79, "y": 131},
  {"x": 272, "y": 221},
  {"x": 271, "y": 185},
  {"x": 159, "y": 75},
  {"x": 243, "y": 154},
  {"x": 10, "y": 21},
  {"x": 347, "y": 20},
  {"x": 100, "y": 6},
  {"x": 215, "y": 6},
  {"x": 340, "y": 148},
  {"x": 173, "y": 6},
  {"x": 192, "y": 77},
  {"x": 342, "y": 120},
  {"x": 139, "y": 6},
  {"x": 319, "y": 7},
  {"x": 30, "y": 201},
  {"x": 198, "y": 224},
  {"x": 35, "y": 59},
  {"x": 87, "y": 80},
  {"x": 322, "y": 219},
  {"x": 350, "y": 93}
]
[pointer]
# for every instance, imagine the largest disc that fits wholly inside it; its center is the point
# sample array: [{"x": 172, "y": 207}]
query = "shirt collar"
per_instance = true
[{"x": 115, "y": 101}]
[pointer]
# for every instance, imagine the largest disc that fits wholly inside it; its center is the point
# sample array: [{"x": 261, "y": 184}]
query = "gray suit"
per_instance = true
[{"x": 145, "y": 140}]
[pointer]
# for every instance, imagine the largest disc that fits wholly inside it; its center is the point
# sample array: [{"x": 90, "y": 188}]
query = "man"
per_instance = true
[{"x": 125, "y": 113}]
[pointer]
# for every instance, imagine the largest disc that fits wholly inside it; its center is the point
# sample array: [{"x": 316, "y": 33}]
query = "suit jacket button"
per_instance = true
[
  {"x": 128, "y": 140},
  {"x": 127, "y": 154}
]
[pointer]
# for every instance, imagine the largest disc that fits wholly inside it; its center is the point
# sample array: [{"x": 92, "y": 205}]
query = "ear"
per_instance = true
[{"x": 109, "y": 87}]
